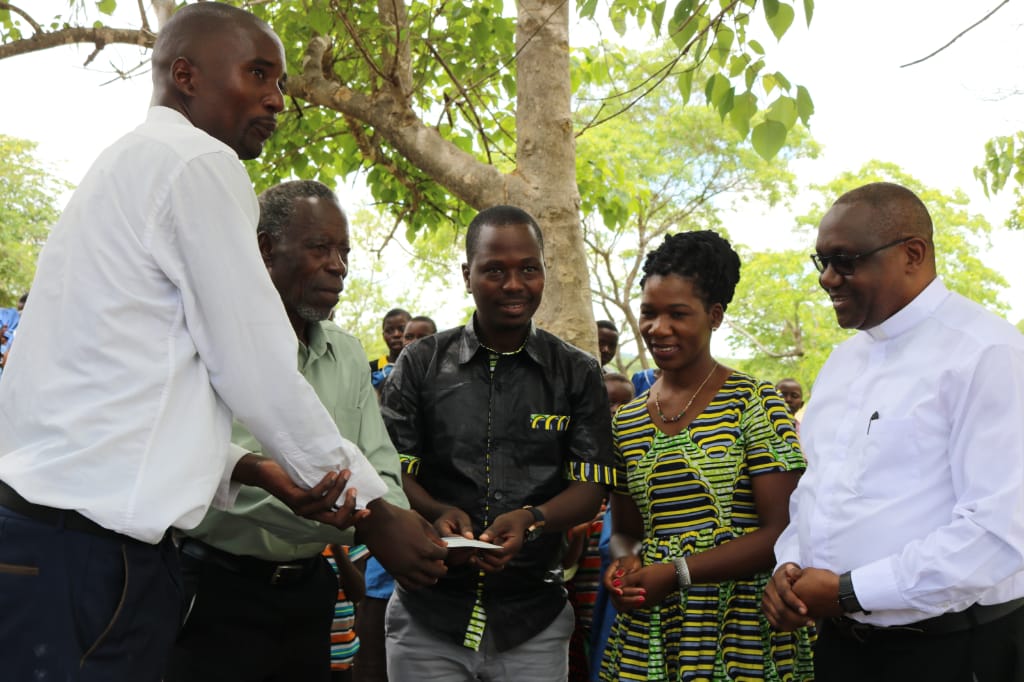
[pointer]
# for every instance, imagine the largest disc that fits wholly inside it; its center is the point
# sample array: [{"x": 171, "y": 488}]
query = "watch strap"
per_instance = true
[{"x": 847, "y": 597}]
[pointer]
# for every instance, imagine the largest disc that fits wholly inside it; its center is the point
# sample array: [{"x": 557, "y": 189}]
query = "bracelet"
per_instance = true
[
  {"x": 682, "y": 573},
  {"x": 620, "y": 545}
]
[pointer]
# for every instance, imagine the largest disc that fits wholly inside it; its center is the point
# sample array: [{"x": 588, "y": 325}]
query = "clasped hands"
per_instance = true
[
  {"x": 796, "y": 596},
  {"x": 631, "y": 585}
]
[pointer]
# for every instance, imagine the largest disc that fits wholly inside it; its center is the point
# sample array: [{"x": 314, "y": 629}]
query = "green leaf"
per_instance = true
[
  {"x": 618, "y": 19},
  {"x": 586, "y": 9},
  {"x": 738, "y": 64},
  {"x": 723, "y": 45},
  {"x": 783, "y": 110},
  {"x": 685, "y": 84},
  {"x": 809, "y": 10},
  {"x": 716, "y": 89},
  {"x": 781, "y": 20},
  {"x": 751, "y": 74},
  {"x": 768, "y": 138},
  {"x": 804, "y": 104},
  {"x": 683, "y": 24},
  {"x": 744, "y": 107},
  {"x": 658, "y": 16},
  {"x": 107, "y": 6},
  {"x": 756, "y": 47}
]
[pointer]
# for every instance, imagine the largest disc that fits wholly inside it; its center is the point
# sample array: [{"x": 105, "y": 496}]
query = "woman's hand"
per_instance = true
[{"x": 644, "y": 587}]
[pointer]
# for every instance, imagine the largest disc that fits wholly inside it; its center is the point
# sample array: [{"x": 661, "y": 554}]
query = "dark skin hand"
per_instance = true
[
  {"x": 577, "y": 503},
  {"x": 404, "y": 543},
  {"x": 796, "y": 596},
  {"x": 640, "y": 587},
  {"x": 317, "y": 503}
]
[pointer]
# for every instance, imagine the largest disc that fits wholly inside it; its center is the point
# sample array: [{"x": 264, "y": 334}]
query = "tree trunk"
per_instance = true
[{"x": 546, "y": 161}]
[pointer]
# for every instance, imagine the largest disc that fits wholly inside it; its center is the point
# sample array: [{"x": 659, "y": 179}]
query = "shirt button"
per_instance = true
[{"x": 498, "y": 495}]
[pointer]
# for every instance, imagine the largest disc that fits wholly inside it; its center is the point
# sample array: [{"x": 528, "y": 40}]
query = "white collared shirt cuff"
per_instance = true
[
  {"x": 364, "y": 478},
  {"x": 227, "y": 491},
  {"x": 876, "y": 587}
]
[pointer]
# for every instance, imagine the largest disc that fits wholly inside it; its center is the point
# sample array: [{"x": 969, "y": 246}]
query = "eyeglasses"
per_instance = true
[{"x": 846, "y": 263}]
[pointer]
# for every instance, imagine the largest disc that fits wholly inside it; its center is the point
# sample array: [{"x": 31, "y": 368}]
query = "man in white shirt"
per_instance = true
[
  {"x": 152, "y": 323},
  {"x": 906, "y": 534}
]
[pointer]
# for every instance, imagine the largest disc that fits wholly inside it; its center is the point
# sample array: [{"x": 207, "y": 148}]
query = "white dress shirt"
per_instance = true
[
  {"x": 152, "y": 321},
  {"x": 914, "y": 437}
]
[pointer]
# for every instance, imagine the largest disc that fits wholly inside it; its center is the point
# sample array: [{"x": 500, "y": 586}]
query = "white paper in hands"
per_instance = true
[{"x": 457, "y": 542}]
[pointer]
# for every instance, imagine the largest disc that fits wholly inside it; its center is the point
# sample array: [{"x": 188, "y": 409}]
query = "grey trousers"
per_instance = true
[{"x": 415, "y": 654}]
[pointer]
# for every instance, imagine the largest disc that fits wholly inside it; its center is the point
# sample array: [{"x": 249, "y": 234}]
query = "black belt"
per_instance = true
[
  {"x": 66, "y": 518},
  {"x": 945, "y": 624},
  {"x": 270, "y": 572}
]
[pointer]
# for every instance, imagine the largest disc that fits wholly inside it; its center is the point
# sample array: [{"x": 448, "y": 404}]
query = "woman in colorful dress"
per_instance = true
[{"x": 708, "y": 458}]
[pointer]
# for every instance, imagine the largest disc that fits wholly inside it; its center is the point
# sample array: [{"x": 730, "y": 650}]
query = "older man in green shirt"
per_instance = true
[{"x": 264, "y": 595}]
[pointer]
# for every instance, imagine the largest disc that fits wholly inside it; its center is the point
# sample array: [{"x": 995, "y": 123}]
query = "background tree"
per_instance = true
[
  {"x": 782, "y": 324},
  {"x": 416, "y": 272},
  {"x": 451, "y": 107},
  {"x": 664, "y": 168},
  {"x": 28, "y": 209}
]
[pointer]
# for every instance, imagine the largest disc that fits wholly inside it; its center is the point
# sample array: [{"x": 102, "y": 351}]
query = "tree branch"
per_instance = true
[
  {"x": 957, "y": 36},
  {"x": 472, "y": 181},
  {"x": 100, "y": 37}
]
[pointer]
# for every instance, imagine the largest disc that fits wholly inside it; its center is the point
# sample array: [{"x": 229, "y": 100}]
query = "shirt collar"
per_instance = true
[
  {"x": 470, "y": 344},
  {"x": 167, "y": 116},
  {"x": 161, "y": 114},
  {"x": 318, "y": 345},
  {"x": 912, "y": 314}
]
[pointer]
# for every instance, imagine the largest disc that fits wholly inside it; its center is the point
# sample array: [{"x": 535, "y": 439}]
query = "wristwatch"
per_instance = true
[
  {"x": 847, "y": 597},
  {"x": 536, "y": 529}
]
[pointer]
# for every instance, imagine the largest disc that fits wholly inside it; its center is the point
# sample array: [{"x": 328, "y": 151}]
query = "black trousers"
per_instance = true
[
  {"x": 243, "y": 629},
  {"x": 993, "y": 652}
]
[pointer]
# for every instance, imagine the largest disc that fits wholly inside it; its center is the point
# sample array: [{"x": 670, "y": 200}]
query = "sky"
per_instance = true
[{"x": 931, "y": 119}]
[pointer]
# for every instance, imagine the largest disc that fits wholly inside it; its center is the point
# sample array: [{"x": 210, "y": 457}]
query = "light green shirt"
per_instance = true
[{"x": 262, "y": 526}]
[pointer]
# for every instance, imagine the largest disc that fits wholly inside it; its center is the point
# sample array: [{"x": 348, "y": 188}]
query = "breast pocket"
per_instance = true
[
  {"x": 349, "y": 419},
  {"x": 891, "y": 458}
]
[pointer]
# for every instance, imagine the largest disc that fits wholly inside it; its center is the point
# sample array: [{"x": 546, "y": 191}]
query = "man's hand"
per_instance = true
[
  {"x": 454, "y": 521},
  {"x": 783, "y": 608},
  {"x": 819, "y": 590},
  {"x": 319, "y": 503},
  {"x": 509, "y": 531},
  {"x": 404, "y": 543}
]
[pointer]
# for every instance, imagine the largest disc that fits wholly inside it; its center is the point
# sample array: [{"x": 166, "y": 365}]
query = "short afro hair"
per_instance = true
[
  {"x": 701, "y": 256},
  {"x": 499, "y": 216}
]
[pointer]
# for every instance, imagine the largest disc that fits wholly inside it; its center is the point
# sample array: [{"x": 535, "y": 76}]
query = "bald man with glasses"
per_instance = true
[{"x": 906, "y": 534}]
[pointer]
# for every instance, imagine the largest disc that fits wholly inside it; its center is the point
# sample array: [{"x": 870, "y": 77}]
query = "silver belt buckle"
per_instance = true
[{"x": 284, "y": 570}]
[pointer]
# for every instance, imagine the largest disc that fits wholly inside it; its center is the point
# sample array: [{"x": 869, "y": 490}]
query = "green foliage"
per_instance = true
[
  {"x": 719, "y": 34},
  {"x": 461, "y": 57},
  {"x": 386, "y": 271},
  {"x": 780, "y": 322},
  {"x": 662, "y": 168},
  {"x": 1004, "y": 160},
  {"x": 28, "y": 195},
  {"x": 783, "y": 324}
]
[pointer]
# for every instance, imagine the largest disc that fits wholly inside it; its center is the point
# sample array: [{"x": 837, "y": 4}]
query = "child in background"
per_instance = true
[{"x": 344, "y": 642}]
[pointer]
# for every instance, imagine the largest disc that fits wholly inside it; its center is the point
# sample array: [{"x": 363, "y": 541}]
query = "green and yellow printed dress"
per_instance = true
[{"x": 694, "y": 492}]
